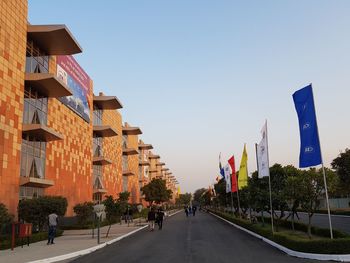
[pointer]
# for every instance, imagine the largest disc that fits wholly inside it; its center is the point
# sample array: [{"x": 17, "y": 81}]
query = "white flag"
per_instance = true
[
  {"x": 263, "y": 155},
  {"x": 227, "y": 173}
]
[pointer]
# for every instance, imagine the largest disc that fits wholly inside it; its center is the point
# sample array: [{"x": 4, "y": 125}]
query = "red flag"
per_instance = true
[{"x": 231, "y": 162}]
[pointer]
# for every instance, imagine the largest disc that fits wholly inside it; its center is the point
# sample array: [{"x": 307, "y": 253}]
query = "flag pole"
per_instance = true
[
  {"x": 238, "y": 202},
  {"x": 268, "y": 165},
  {"x": 324, "y": 174},
  {"x": 232, "y": 203}
]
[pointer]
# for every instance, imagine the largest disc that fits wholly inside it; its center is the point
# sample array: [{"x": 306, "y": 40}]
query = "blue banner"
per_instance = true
[{"x": 310, "y": 151}]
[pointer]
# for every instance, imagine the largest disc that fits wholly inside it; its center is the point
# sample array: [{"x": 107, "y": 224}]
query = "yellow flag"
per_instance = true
[{"x": 243, "y": 170}]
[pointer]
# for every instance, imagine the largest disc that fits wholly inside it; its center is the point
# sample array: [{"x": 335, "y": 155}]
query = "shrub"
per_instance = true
[
  {"x": 5, "y": 217},
  {"x": 339, "y": 245},
  {"x": 84, "y": 212},
  {"x": 37, "y": 210}
]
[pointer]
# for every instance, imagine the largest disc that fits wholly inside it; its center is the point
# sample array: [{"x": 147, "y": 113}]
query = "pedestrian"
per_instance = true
[
  {"x": 194, "y": 209},
  {"x": 52, "y": 222},
  {"x": 186, "y": 211},
  {"x": 160, "y": 218},
  {"x": 151, "y": 217}
]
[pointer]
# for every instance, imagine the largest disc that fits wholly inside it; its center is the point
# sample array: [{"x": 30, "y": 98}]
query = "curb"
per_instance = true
[
  {"x": 91, "y": 249},
  {"x": 341, "y": 258}
]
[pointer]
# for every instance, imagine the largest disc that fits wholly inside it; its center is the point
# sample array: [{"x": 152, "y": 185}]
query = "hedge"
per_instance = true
[
  {"x": 5, "y": 241},
  {"x": 339, "y": 245}
]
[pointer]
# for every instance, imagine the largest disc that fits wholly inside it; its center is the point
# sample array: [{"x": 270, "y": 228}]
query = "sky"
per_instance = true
[{"x": 200, "y": 77}]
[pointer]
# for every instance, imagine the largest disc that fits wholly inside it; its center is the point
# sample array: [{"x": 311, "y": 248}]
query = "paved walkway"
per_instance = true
[{"x": 71, "y": 241}]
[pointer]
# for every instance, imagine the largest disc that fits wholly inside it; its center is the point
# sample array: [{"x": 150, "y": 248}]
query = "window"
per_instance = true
[
  {"x": 35, "y": 107},
  {"x": 125, "y": 141},
  {"x": 140, "y": 172},
  {"x": 26, "y": 192},
  {"x": 36, "y": 60},
  {"x": 125, "y": 183},
  {"x": 125, "y": 163},
  {"x": 33, "y": 157},
  {"x": 97, "y": 116},
  {"x": 97, "y": 147}
]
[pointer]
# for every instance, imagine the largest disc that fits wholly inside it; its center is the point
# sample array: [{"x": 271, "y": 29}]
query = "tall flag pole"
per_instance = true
[
  {"x": 310, "y": 147},
  {"x": 263, "y": 164},
  {"x": 234, "y": 186},
  {"x": 243, "y": 170}
]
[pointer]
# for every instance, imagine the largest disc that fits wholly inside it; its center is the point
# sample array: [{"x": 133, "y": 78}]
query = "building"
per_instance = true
[{"x": 56, "y": 136}]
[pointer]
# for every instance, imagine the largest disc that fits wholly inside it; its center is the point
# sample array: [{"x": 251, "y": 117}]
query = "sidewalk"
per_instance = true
[{"x": 71, "y": 241}]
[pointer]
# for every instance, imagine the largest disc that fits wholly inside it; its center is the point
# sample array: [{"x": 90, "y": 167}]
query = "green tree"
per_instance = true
[
  {"x": 183, "y": 199},
  {"x": 112, "y": 209},
  {"x": 37, "y": 210},
  {"x": 156, "y": 191},
  {"x": 122, "y": 201},
  {"x": 198, "y": 195},
  {"x": 342, "y": 166},
  {"x": 84, "y": 212},
  {"x": 5, "y": 217}
]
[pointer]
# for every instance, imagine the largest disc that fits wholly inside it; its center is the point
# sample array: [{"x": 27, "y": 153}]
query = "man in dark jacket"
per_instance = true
[
  {"x": 151, "y": 218},
  {"x": 160, "y": 217}
]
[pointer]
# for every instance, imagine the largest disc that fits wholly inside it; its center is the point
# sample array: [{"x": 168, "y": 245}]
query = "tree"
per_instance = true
[
  {"x": 312, "y": 189},
  {"x": 112, "y": 209},
  {"x": 198, "y": 195},
  {"x": 84, "y": 212},
  {"x": 183, "y": 199},
  {"x": 5, "y": 217},
  {"x": 342, "y": 166},
  {"x": 156, "y": 191},
  {"x": 37, "y": 210}
]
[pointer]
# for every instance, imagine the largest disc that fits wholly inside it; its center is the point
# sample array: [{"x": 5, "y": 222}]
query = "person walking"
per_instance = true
[
  {"x": 151, "y": 217},
  {"x": 194, "y": 209},
  {"x": 186, "y": 211},
  {"x": 160, "y": 218},
  {"x": 52, "y": 222}
]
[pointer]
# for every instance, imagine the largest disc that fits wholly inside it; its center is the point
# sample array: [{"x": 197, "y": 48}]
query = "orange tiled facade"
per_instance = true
[{"x": 56, "y": 136}]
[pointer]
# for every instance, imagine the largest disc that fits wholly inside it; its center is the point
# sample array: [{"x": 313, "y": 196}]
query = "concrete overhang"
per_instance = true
[
  {"x": 131, "y": 131},
  {"x": 130, "y": 151},
  {"x": 104, "y": 131},
  {"x": 35, "y": 182},
  {"x": 154, "y": 157},
  {"x": 47, "y": 84},
  {"x": 54, "y": 39},
  {"x": 145, "y": 146},
  {"x": 128, "y": 173},
  {"x": 107, "y": 102},
  {"x": 144, "y": 163},
  {"x": 41, "y": 132},
  {"x": 101, "y": 160}
]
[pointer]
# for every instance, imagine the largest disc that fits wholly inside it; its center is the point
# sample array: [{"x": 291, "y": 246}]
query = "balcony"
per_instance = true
[
  {"x": 100, "y": 191},
  {"x": 145, "y": 146},
  {"x": 131, "y": 131},
  {"x": 160, "y": 164},
  {"x": 107, "y": 102},
  {"x": 154, "y": 157},
  {"x": 128, "y": 173},
  {"x": 104, "y": 131},
  {"x": 101, "y": 160},
  {"x": 130, "y": 151},
  {"x": 165, "y": 169},
  {"x": 144, "y": 163},
  {"x": 47, "y": 84},
  {"x": 41, "y": 132},
  {"x": 35, "y": 182},
  {"x": 153, "y": 171},
  {"x": 54, "y": 39}
]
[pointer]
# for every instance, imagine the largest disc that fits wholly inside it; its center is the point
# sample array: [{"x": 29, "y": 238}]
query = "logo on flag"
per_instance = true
[
  {"x": 310, "y": 150},
  {"x": 227, "y": 178},
  {"x": 262, "y": 153}
]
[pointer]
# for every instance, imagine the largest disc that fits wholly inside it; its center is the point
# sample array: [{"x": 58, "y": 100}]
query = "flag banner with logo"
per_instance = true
[
  {"x": 231, "y": 162},
  {"x": 227, "y": 178},
  {"x": 262, "y": 154},
  {"x": 243, "y": 170},
  {"x": 221, "y": 169},
  {"x": 310, "y": 151}
]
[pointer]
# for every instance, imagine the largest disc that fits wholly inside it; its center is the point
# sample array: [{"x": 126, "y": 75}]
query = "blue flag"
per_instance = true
[{"x": 310, "y": 150}]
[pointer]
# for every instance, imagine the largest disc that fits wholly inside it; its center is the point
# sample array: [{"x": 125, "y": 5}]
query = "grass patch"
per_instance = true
[{"x": 320, "y": 242}]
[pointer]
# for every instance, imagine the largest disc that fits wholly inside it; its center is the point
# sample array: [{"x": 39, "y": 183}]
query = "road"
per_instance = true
[{"x": 202, "y": 238}]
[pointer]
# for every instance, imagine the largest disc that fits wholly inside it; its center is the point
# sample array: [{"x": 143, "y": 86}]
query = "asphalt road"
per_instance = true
[{"x": 202, "y": 238}]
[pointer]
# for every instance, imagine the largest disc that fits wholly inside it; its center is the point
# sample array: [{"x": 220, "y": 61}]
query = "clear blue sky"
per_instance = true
[{"x": 200, "y": 77}]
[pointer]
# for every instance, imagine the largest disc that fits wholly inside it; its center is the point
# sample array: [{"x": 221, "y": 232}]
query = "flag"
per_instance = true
[
  {"x": 310, "y": 150},
  {"x": 227, "y": 178},
  {"x": 243, "y": 170},
  {"x": 231, "y": 162},
  {"x": 220, "y": 167},
  {"x": 263, "y": 155}
]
